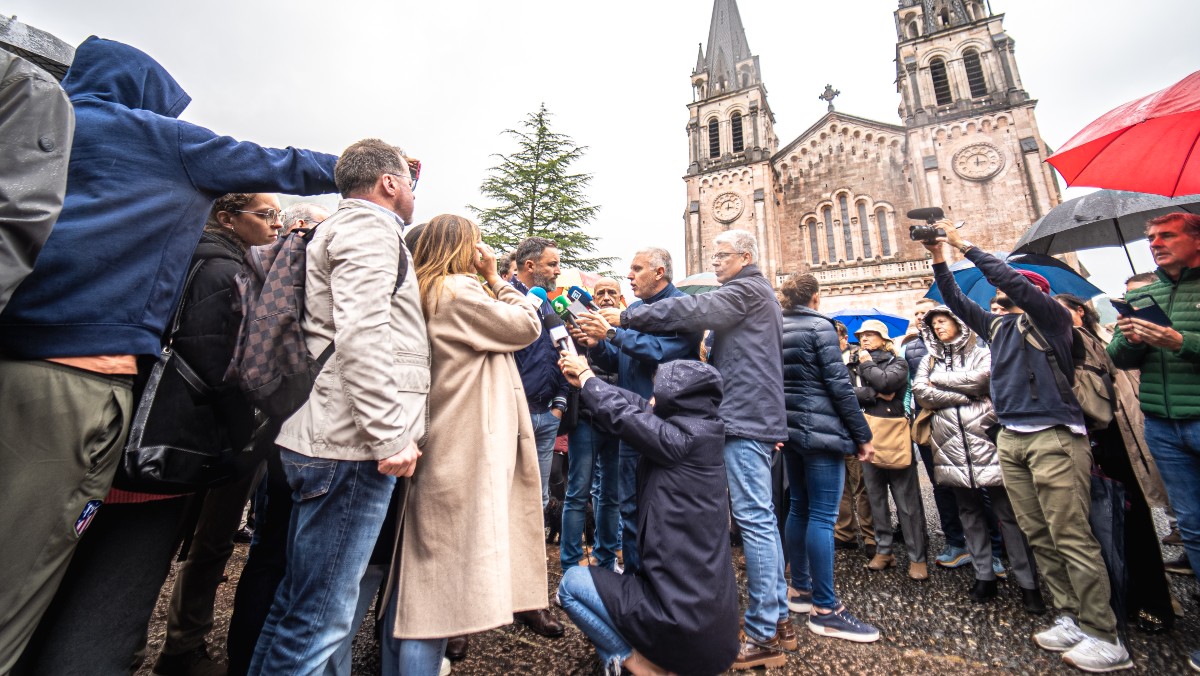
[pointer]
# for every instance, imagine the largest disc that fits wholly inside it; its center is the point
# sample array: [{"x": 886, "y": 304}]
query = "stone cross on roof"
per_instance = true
[{"x": 829, "y": 95}]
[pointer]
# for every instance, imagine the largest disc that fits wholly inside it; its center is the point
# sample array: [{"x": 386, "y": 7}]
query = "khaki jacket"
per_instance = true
[{"x": 370, "y": 399}]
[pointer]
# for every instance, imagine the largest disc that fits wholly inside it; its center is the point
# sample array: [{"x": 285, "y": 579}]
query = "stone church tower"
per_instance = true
[{"x": 832, "y": 201}]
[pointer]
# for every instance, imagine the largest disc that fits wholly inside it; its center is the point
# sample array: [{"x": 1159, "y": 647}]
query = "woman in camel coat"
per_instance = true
[{"x": 471, "y": 549}]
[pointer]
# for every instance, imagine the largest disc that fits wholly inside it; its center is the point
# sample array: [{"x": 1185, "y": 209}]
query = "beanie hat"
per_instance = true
[{"x": 1037, "y": 280}]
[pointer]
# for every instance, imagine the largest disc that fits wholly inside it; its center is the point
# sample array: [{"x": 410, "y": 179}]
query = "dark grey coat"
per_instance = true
[
  {"x": 680, "y": 609},
  {"x": 747, "y": 348}
]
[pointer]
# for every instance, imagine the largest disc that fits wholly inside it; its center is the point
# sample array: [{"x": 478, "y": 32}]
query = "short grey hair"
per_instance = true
[
  {"x": 303, "y": 211},
  {"x": 741, "y": 242},
  {"x": 659, "y": 258}
]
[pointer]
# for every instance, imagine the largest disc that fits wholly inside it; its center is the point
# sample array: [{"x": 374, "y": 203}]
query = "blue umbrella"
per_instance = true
[
  {"x": 1060, "y": 275},
  {"x": 853, "y": 319}
]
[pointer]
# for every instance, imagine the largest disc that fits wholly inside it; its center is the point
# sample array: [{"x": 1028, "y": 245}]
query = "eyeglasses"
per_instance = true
[
  {"x": 272, "y": 215},
  {"x": 722, "y": 256},
  {"x": 414, "y": 171}
]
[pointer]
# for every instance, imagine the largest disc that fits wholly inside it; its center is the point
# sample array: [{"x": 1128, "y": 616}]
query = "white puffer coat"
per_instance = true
[{"x": 953, "y": 382}]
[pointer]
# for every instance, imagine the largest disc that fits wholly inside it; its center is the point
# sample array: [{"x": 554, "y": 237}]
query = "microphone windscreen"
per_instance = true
[
  {"x": 539, "y": 292},
  {"x": 552, "y": 322},
  {"x": 928, "y": 214},
  {"x": 580, "y": 294}
]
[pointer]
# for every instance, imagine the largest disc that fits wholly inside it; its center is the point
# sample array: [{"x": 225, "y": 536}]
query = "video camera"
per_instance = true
[{"x": 927, "y": 233}]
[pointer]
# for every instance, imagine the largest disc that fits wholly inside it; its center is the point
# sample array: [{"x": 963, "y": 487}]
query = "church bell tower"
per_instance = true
[{"x": 731, "y": 138}]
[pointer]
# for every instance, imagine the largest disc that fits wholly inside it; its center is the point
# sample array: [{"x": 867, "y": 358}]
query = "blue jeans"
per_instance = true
[
  {"x": 748, "y": 464},
  {"x": 590, "y": 453},
  {"x": 338, "y": 511},
  {"x": 627, "y": 494},
  {"x": 815, "y": 484},
  {"x": 545, "y": 429},
  {"x": 577, "y": 594},
  {"x": 410, "y": 656},
  {"x": 1175, "y": 445}
]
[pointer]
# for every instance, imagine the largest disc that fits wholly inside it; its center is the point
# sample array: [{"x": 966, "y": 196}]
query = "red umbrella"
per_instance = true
[{"x": 1148, "y": 145}]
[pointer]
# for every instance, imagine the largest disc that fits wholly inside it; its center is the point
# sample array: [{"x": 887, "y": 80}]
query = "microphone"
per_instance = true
[
  {"x": 930, "y": 215},
  {"x": 537, "y": 296},
  {"x": 558, "y": 333},
  {"x": 563, "y": 309},
  {"x": 578, "y": 293}
]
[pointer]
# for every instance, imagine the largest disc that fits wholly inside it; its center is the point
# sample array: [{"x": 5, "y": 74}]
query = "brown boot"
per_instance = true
[
  {"x": 918, "y": 571},
  {"x": 753, "y": 654},
  {"x": 882, "y": 562},
  {"x": 456, "y": 648},
  {"x": 786, "y": 633}
]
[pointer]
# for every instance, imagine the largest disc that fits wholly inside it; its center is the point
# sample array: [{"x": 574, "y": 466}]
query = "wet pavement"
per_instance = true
[{"x": 927, "y": 628}]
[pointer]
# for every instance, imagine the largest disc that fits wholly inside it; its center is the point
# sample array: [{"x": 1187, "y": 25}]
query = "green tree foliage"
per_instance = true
[{"x": 535, "y": 194}]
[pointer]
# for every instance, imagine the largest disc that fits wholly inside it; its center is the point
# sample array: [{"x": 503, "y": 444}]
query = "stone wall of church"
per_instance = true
[{"x": 736, "y": 198}]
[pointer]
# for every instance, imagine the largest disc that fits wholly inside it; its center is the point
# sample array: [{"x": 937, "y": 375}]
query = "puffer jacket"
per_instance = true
[
  {"x": 953, "y": 382},
  {"x": 885, "y": 374},
  {"x": 1170, "y": 380}
]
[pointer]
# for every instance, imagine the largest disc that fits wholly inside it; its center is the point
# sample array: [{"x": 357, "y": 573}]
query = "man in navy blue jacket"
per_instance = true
[
  {"x": 139, "y": 187},
  {"x": 1044, "y": 451},
  {"x": 635, "y": 357}
]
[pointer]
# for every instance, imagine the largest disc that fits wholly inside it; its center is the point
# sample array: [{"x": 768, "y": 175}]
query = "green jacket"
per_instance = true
[{"x": 1170, "y": 380}]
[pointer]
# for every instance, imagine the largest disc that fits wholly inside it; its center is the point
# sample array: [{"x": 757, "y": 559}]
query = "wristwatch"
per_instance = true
[
  {"x": 611, "y": 333},
  {"x": 965, "y": 246}
]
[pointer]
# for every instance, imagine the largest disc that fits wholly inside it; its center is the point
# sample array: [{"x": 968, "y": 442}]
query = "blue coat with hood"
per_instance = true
[{"x": 140, "y": 184}]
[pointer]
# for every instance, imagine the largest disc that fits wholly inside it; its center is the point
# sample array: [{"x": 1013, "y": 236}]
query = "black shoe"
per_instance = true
[
  {"x": 1153, "y": 624},
  {"x": 845, "y": 544},
  {"x": 456, "y": 648},
  {"x": 983, "y": 591},
  {"x": 541, "y": 622},
  {"x": 1179, "y": 565},
  {"x": 192, "y": 663},
  {"x": 1032, "y": 600}
]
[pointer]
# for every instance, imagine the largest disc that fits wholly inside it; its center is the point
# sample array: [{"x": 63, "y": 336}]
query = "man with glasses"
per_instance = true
[
  {"x": 359, "y": 430},
  {"x": 746, "y": 321},
  {"x": 635, "y": 356}
]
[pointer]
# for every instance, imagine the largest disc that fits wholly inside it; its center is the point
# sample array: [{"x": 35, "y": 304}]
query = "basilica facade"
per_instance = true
[{"x": 833, "y": 200}]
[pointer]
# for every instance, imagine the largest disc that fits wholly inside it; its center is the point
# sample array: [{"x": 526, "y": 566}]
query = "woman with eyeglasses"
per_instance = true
[{"x": 472, "y": 552}]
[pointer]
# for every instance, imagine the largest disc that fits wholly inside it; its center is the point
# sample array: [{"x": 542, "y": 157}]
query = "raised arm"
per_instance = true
[
  {"x": 222, "y": 164},
  {"x": 718, "y": 309},
  {"x": 506, "y": 323},
  {"x": 1046, "y": 313}
]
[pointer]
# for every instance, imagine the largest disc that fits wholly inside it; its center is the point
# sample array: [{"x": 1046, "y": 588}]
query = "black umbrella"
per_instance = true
[{"x": 1103, "y": 218}]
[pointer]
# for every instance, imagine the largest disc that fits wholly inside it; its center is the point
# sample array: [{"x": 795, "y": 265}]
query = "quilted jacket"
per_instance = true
[
  {"x": 1170, "y": 380},
  {"x": 953, "y": 382}
]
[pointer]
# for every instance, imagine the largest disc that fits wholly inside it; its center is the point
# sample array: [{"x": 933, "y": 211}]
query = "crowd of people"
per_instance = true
[{"x": 415, "y": 475}]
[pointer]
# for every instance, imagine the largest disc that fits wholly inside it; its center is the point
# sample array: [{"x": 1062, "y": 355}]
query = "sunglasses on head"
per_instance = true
[{"x": 414, "y": 168}]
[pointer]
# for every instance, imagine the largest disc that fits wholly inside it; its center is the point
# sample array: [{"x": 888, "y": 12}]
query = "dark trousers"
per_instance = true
[
  {"x": 265, "y": 566},
  {"x": 947, "y": 506},
  {"x": 97, "y": 621}
]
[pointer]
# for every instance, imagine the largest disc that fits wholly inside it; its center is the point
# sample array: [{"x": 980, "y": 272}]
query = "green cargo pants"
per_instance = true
[{"x": 61, "y": 434}]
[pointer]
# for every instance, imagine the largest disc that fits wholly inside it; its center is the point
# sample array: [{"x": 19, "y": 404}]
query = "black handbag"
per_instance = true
[{"x": 180, "y": 439}]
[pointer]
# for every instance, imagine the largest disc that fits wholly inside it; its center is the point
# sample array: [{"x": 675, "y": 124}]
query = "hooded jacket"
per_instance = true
[
  {"x": 140, "y": 184},
  {"x": 680, "y": 609},
  {"x": 823, "y": 415},
  {"x": 953, "y": 382}
]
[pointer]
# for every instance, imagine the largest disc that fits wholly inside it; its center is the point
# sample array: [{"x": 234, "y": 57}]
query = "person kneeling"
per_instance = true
[{"x": 679, "y": 612}]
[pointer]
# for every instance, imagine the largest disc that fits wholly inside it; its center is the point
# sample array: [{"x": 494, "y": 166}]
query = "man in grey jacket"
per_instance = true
[
  {"x": 747, "y": 350},
  {"x": 36, "y": 123},
  {"x": 359, "y": 430}
]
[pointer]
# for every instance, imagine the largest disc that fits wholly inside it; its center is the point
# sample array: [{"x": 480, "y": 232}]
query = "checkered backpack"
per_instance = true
[{"x": 271, "y": 363}]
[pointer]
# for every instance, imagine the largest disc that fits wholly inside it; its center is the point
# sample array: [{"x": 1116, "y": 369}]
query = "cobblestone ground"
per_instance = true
[{"x": 928, "y": 628}]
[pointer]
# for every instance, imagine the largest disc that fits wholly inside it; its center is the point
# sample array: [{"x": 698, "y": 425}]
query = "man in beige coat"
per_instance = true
[{"x": 361, "y": 426}]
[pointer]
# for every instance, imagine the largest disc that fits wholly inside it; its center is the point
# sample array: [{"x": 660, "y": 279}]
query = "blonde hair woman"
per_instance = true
[{"x": 472, "y": 549}]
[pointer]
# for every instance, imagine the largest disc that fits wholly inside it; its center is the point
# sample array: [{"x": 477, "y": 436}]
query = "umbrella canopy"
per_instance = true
[
  {"x": 1060, "y": 275},
  {"x": 568, "y": 277},
  {"x": 699, "y": 283},
  {"x": 1148, "y": 145},
  {"x": 853, "y": 319},
  {"x": 1103, "y": 218}
]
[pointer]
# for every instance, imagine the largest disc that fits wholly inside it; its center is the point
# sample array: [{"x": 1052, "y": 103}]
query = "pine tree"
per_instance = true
[{"x": 536, "y": 195}]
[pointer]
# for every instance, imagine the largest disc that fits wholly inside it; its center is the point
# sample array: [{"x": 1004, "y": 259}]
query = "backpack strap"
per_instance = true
[{"x": 185, "y": 369}]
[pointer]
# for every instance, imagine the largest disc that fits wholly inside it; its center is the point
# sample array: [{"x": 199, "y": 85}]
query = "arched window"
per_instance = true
[
  {"x": 944, "y": 17},
  {"x": 881, "y": 221},
  {"x": 913, "y": 30},
  {"x": 941, "y": 82},
  {"x": 830, "y": 238},
  {"x": 714, "y": 138},
  {"x": 813, "y": 244},
  {"x": 865, "y": 228},
  {"x": 975, "y": 78},
  {"x": 847, "y": 231},
  {"x": 735, "y": 132}
]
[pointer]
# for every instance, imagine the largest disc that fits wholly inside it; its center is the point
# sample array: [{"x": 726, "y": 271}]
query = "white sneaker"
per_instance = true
[
  {"x": 446, "y": 668},
  {"x": 1063, "y": 636},
  {"x": 1092, "y": 654}
]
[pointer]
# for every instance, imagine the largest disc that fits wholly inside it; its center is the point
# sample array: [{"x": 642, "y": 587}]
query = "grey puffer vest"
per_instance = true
[{"x": 953, "y": 382}]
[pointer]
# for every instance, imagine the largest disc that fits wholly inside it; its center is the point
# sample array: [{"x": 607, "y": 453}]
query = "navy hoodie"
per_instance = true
[{"x": 139, "y": 188}]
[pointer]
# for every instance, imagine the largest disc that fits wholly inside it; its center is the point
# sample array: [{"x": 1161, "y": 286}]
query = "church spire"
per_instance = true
[
  {"x": 699, "y": 60},
  {"x": 726, "y": 63}
]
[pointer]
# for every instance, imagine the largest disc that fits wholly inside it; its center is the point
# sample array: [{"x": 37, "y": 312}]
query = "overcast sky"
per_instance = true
[{"x": 444, "y": 79}]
